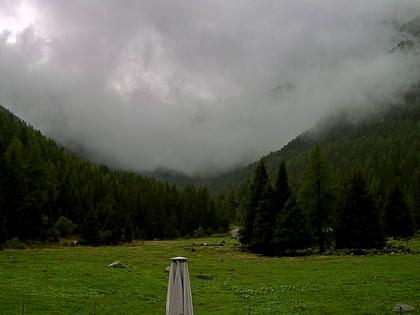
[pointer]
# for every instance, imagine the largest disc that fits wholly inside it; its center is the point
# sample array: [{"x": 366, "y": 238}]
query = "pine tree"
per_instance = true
[
  {"x": 3, "y": 225},
  {"x": 231, "y": 206},
  {"x": 90, "y": 230},
  {"x": 358, "y": 222},
  {"x": 316, "y": 198},
  {"x": 3, "y": 213},
  {"x": 16, "y": 190},
  {"x": 291, "y": 231},
  {"x": 262, "y": 232},
  {"x": 416, "y": 198},
  {"x": 256, "y": 193},
  {"x": 281, "y": 188},
  {"x": 398, "y": 220}
]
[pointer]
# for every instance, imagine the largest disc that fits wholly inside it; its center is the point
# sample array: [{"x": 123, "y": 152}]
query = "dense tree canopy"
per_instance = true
[
  {"x": 384, "y": 145},
  {"x": 358, "y": 223},
  {"x": 47, "y": 192},
  {"x": 275, "y": 223},
  {"x": 258, "y": 192},
  {"x": 398, "y": 220},
  {"x": 316, "y": 198}
]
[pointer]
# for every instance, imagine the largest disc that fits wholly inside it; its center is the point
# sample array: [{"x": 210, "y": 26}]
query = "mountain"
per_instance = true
[
  {"x": 384, "y": 142},
  {"x": 385, "y": 145},
  {"x": 412, "y": 27},
  {"x": 173, "y": 177},
  {"x": 368, "y": 138},
  {"x": 47, "y": 192}
]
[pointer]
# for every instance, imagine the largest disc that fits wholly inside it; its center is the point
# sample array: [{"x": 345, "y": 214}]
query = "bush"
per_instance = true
[
  {"x": 199, "y": 232},
  {"x": 106, "y": 237},
  {"x": 14, "y": 243},
  {"x": 64, "y": 226}
]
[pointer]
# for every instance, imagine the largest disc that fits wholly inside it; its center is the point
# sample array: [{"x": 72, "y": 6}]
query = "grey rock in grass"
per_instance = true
[
  {"x": 167, "y": 269},
  {"x": 403, "y": 308},
  {"x": 116, "y": 264},
  {"x": 235, "y": 233}
]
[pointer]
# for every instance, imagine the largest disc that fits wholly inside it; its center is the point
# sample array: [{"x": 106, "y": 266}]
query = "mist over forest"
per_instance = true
[
  {"x": 274, "y": 146},
  {"x": 199, "y": 88}
]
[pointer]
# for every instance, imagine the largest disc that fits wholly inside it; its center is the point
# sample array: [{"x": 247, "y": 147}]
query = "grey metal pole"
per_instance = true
[{"x": 179, "y": 297}]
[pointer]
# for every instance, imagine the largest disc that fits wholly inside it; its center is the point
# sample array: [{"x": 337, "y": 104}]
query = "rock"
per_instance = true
[
  {"x": 412, "y": 27},
  {"x": 235, "y": 233},
  {"x": 403, "y": 308},
  {"x": 116, "y": 264},
  {"x": 167, "y": 269}
]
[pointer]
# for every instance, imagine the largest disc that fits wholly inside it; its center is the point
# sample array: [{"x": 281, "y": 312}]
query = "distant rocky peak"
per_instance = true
[
  {"x": 412, "y": 27},
  {"x": 411, "y": 36}
]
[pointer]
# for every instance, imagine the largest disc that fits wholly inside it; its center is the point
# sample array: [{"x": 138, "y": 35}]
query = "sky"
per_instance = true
[{"x": 196, "y": 86}]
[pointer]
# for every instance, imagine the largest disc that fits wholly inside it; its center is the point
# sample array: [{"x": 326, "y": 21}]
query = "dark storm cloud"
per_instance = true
[{"x": 198, "y": 86}]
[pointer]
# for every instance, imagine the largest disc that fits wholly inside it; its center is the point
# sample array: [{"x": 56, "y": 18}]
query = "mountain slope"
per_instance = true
[
  {"x": 385, "y": 145},
  {"x": 383, "y": 142},
  {"x": 45, "y": 191}
]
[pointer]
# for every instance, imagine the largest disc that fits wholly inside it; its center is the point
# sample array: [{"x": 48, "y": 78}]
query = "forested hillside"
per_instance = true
[
  {"x": 384, "y": 145},
  {"x": 46, "y": 192},
  {"x": 382, "y": 141},
  {"x": 366, "y": 188}
]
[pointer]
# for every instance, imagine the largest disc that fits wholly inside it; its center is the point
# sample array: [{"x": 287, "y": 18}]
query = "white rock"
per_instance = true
[
  {"x": 403, "y": 308},
  {"x": 116, "y": 264}
]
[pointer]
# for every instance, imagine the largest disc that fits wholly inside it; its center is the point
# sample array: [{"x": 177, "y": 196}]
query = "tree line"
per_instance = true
[
  {"x": 383, "y": 144},
  {"x": 47, "y": 193},
  {"x": 323, "y": 211}
]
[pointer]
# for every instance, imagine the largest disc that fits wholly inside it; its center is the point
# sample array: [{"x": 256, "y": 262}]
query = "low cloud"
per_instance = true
[{"x": 196, "y": 86}]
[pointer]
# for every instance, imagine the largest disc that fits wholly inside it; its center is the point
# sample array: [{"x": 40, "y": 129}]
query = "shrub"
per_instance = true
[{"x": 64, "y": 226}]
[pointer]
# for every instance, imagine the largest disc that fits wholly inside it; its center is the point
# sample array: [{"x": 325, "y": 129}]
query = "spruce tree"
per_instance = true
[
  {"x": 3, "y": 226},
  {"x": 281, "y": 187},
  {"x": 90, "y": 230},
  {"x": 315, "y": 197},
  {"x": 358, "y": 222},
  {"x": 256, "y": 193},
  {"x": 398, "y": 221},
  {"x": 290, "y": 231},
  {"x": 231, "y": 206},
  {"x": 262, "y": 232},
  {"x": 416, "y": 198}
]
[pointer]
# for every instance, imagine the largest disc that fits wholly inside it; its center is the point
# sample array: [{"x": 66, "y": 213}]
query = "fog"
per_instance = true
[{"x": 196, "y": 86}]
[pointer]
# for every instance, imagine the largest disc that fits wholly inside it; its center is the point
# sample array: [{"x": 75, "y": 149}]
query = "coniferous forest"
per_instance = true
[
  {"x": 323, "y": 212},
  {"x": 47, "y": 193},
  {"x": 384, "y": 144}
]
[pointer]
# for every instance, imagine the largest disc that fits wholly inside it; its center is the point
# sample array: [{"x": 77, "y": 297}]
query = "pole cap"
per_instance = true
[{"x": 179, "y": 259}]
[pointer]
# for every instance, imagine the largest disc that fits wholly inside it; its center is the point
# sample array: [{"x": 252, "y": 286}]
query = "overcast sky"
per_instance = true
[{"x": 197, "y": 86}]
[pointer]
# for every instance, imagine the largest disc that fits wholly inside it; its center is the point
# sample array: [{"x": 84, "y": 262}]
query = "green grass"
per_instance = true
[{"x": 69, "y": 280}]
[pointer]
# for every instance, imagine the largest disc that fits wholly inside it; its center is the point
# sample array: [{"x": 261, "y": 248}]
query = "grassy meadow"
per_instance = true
[{"x": 71, "y": 280}]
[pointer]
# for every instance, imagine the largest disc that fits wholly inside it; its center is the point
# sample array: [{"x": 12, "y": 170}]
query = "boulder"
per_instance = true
[
  {"x": 403, "y": 308},
  {"x": 116, "y": 264}
]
